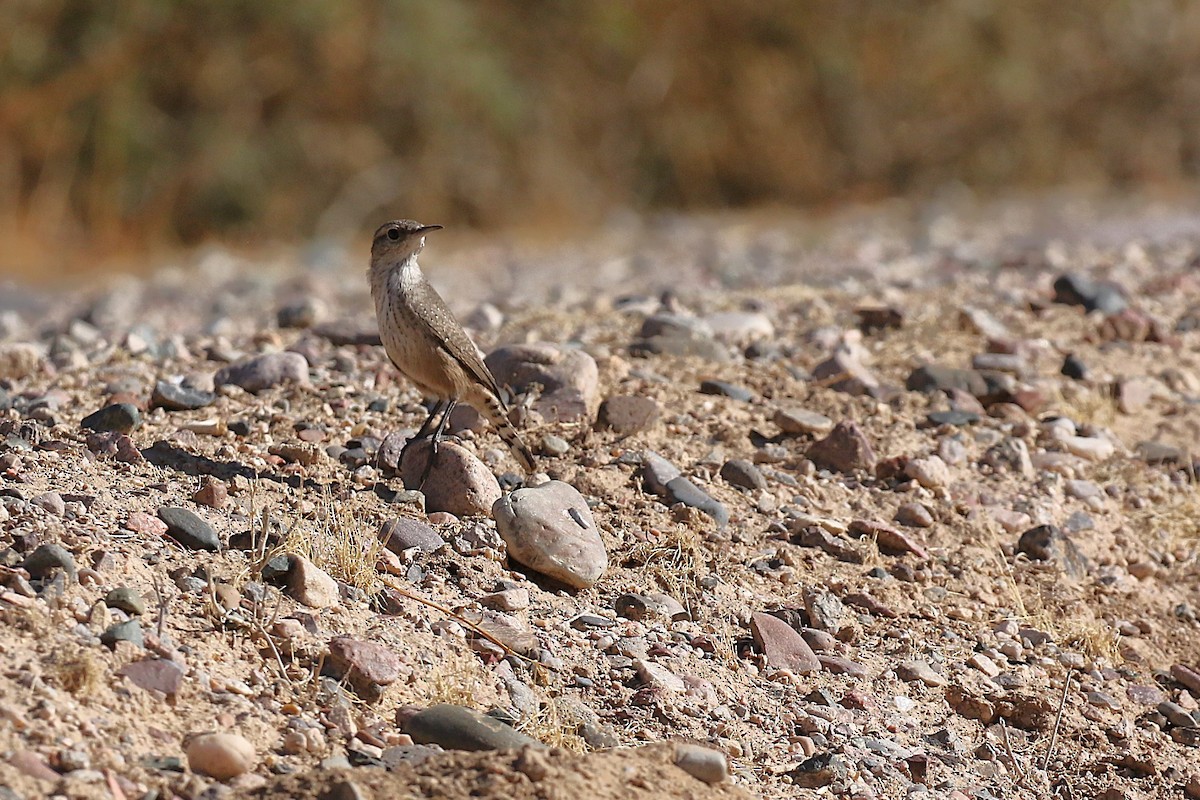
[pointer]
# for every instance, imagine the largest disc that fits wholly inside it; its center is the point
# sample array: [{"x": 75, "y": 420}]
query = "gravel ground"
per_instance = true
[{"x": 894, "y": 503}]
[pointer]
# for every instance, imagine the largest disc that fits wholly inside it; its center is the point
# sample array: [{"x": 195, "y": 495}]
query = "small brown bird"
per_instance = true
[{"x": 426, "y": 343}]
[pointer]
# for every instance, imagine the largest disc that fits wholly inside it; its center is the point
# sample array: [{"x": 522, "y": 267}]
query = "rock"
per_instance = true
[
  {"x": 367, "y": 666},
  {"x": 658, "y": 677},
  {"x": 311, "y": 585},
  {"x": 213, "y": 494},
  {"x": 1087, "y": 447},
  {"x": 934, "y": 378},
  {"x": 1010, "y": 455},
  {"x": 1000, "y": 362},
  {"x": 130, "y": 631},
  {"x": 550, "y": 529},
  {"x": 845, "y": 449},
  {"x": 19, "y": 360},
  {"x": 1134, "y": 394},
  {"x": 188, "y": 529},
  {"x": 304, "y": 312},
  {"x": 837, "y": 665},
  {"x": 740, "y": 326},
  {"x": 1187, "y": 676},
  {"x": 741, "y": 473},
  {"x": 843, "y": 372},
  {"x": 569, "y": 378},
  {"x": 625, "y": 415},
  {"x": 155, "y": 675},
  {"x": 47, "y": 559},
  {"x": 795, "y": 421},
  {"x": 914, "y": 515},
  {"x": 174, "y": 397},
  {"x": 553, "y": 445},
  {"x": 1073, "y": 367},
  {"x": 879, "y": 318},
  {"x": 1159, "y": 452},
  {"x": 404, "y": 533},
  {"x": 919, "y": 671},
  {"x": 953, "y": 417},
  {"x": 826, "y": 612},
  {"x": 144, "y": 524},
  {"x": 458, "y": 482},
  {"x": 387, "y": 457},
  {"x": 126, "y": 600},
  {"x": 726, "y": 389},
  {"x": 782, "y": 646},
  {"x": 264, "y": 372},
  {"x": 1080, "y": 290},
  {"x": 50, "y": 502},
  {"x": 931, "y": 472},
  {"x": 823, "y": 769},
  {"x": 703, "y": 763},
  {"x": 982, "y": 322},
  {"x": 458, "y": 728},
  {"x": 507, "y": 600},
  {"x": 1049, "y": 543},
  {"x": 115, "y": 418},
  {"x": 33, "y": 765},
  {"x": 220, "y": 755},
  {"x": 887, "y": 539},
  {"x": 115, "y": 445}
]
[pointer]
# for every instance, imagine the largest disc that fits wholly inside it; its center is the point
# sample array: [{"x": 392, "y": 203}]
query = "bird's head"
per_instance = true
[{"x": 399, "y": 240}]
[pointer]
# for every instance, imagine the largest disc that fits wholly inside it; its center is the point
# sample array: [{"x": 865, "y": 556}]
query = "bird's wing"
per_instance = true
[{"x": 454, "y": 340}]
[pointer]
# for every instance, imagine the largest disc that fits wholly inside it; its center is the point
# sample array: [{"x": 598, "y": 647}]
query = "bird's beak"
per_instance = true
[{"x": 424, "y": 229}]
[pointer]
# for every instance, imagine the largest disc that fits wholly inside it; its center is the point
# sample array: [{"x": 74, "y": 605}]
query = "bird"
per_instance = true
[{"x": 426, "y": 343}]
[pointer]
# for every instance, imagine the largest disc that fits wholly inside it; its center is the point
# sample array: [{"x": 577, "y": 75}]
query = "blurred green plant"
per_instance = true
[{"x": 147, "y": 121}]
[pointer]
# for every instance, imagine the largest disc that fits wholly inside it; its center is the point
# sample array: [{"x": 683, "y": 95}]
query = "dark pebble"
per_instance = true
[
  {"x": 116, "y": 418},
  {"x": 1080, "y": 290},
  {"x": 1074, "y": 368},
  {"x": 188, "y": 529},
  {"x": 459, "y": 728},
  {"x": 48, "y": 558},
  {"x": 174, "y": 397},
  {"x": 953, "y": 417},
  {"x": 130, "y": 631},
  {"x": 725, "y": 389},
  {"x": 739, "y": 472},
  {"x": 625, "y": 414}
]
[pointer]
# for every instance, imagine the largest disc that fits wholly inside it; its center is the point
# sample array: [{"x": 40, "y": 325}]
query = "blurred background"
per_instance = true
[{"x": 133, "y": 127}]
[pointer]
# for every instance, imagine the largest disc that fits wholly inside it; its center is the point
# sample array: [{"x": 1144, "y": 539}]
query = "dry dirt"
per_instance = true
[{"x": 1112, "y": 618}]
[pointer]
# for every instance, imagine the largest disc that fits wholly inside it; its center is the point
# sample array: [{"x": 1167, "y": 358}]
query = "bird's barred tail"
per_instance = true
[{"x": 497, "y": 415}]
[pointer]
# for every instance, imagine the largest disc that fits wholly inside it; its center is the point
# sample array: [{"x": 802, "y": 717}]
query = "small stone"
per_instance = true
[
  {"x": 115, "y": 418},
  {"x": 796, "y": 421},
  {"x": 914, "y": 515},
  {"x": 175, "y": 397},
  {"x": 220, "y": 755},
  {"x": 33, "y": 765},
  {"x": 934, "y": 378},
  {"x": 553, "y": 445},
  {"x": 1134, "y": 394},
  {"x": 837, "y": 665},
  {"x": 189, "y": 529},
  {"x": 1187, "y": 676},
  {"x": 368, "y": 666},
  {"x": 783, "y": 647},
  {"x": 984, "y": 664},
  {"x": 658, "y": 677},
  {"x": 1176, "y": 714},
  {"x": 823, "y": 769},
  {"x": 458, "y": 728},
  {"x": 919, "y": 671},
  {"x": 311, "y": 585},
  {"x": 664, "y": 479},
  {"x": 1074, "y": 368},
  {"x": 953, "y": 417},
  {"x": 843, "y": 372},
  {"x": 264, "y": 372},
  {"x": 19, "y": 360},
  {"x": 507, "y": 600},
  {"x": 50, "y": 502},
  {"x": 47, "y": 559},
  {"x": 569, "y": 378},
  {"x": 405, "y": 533},
  {"x": 726, "y": 389},
  {"x": 626, "y": 415},
  {"x": 155, "y": 675},
  {"x": 741, "y": 473},
  {"x": 703, "y": 763},
  {"x": 130, "y": 631},
  {"x": 1159, "y": 453},
  {"x": 213, "y": 494},
  {"x": 302, "y": 313},
  {"x": 879, "y": 318},
  {"x": 1000, "y": 362},
  {"x": 887, "y": 539},
  {"x": 458, "y": 482},
  {"x": 550, "y": 529},
  {"x": 826, "y": 612},
  {"x": 1049, "y": 543},
  {"x": 126, "y": 600},
  {"x": 740, "y": 326},
  {"x": 846, "y": 449},
  {"x": 931, "y": 472},
  {"x": 1080, "y": 290}
]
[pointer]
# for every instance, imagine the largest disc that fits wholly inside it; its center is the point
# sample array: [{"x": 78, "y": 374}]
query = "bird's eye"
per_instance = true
[{"x": 393, "y": 234}]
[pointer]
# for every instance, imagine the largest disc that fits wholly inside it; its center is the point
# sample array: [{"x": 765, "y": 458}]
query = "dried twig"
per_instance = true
[
  {"x": 1062, "y": 704},
  {"x": 1012, "y": 758}
]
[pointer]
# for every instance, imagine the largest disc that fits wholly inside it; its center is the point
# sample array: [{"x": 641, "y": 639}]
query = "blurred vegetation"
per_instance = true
[{"x": 138, "y": 122}]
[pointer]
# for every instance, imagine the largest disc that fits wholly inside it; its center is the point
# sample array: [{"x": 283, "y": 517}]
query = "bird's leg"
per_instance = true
[
  {"x": 438, "y": 405},
  {"x": 436, "y": 438}
]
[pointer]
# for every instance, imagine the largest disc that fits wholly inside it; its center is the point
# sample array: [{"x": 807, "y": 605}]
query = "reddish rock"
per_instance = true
[
  {"x": 782, "y": 646},
  {"x": 213, "y": 494},
  {"x": 145, "y": 524},
  {"x": 625, "y": 415},
  {"x": 888, "y": 539},
  {"x": 845, "y": 449},
  {"x": 155, "y": 674},
  {"x": 366, "y": 665}
]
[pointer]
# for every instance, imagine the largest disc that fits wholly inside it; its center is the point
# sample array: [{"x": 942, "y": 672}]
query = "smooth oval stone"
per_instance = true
[
  {"x": 220, "y": 755},
  {"x": 174, "y": 397},
  {"x": 188, "y": 529},
  {"x": 116, "y": 418},
  {"x": 459, "y": 728},
  {"x": 550, "y": 529}
]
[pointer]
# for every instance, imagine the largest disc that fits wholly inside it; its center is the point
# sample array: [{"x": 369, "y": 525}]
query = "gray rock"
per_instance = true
[
  {"x": 404, "y": 533},
  {"x": 702, "y": 763},
  {"x": 1049, "y": 543},
  {"x": 1080, "y": 290},
  {"x": 458, "y": 482},
  {"x": 459, "y": 728},
  {"x": 127, "y": 600},
  {"x": 569, "y": 378},
  {"x": 726, "y": 389},
  {"x": 843, "y": 372},
  {"x": 553, "y": 445},
  {"x": 174, "y": 397},
  {"x": 310, "y": 584},
  {"x": 741, "y": 473},
  {"x": 264, "y": 372},
  {"x": 625, "y": 415},
  {"x": 115, "y": 418},
  {"x": 664, "y": 479},
  {"x": 188, "y": 529},
  {"x": 934, "y": 378},
  {"x": 657, "y": 472},
  {"x": 916, "y": 670},
  {"x": 550, "y": 529},
  {"x": 47, "y": 559},
  {"x": 795, "y": 421},
  {"x": 130, "y": 631},
  {"x": 50, "y": 502},
  {"x": 19, "y": 360},
  {"x": 302, "y": 313}
]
